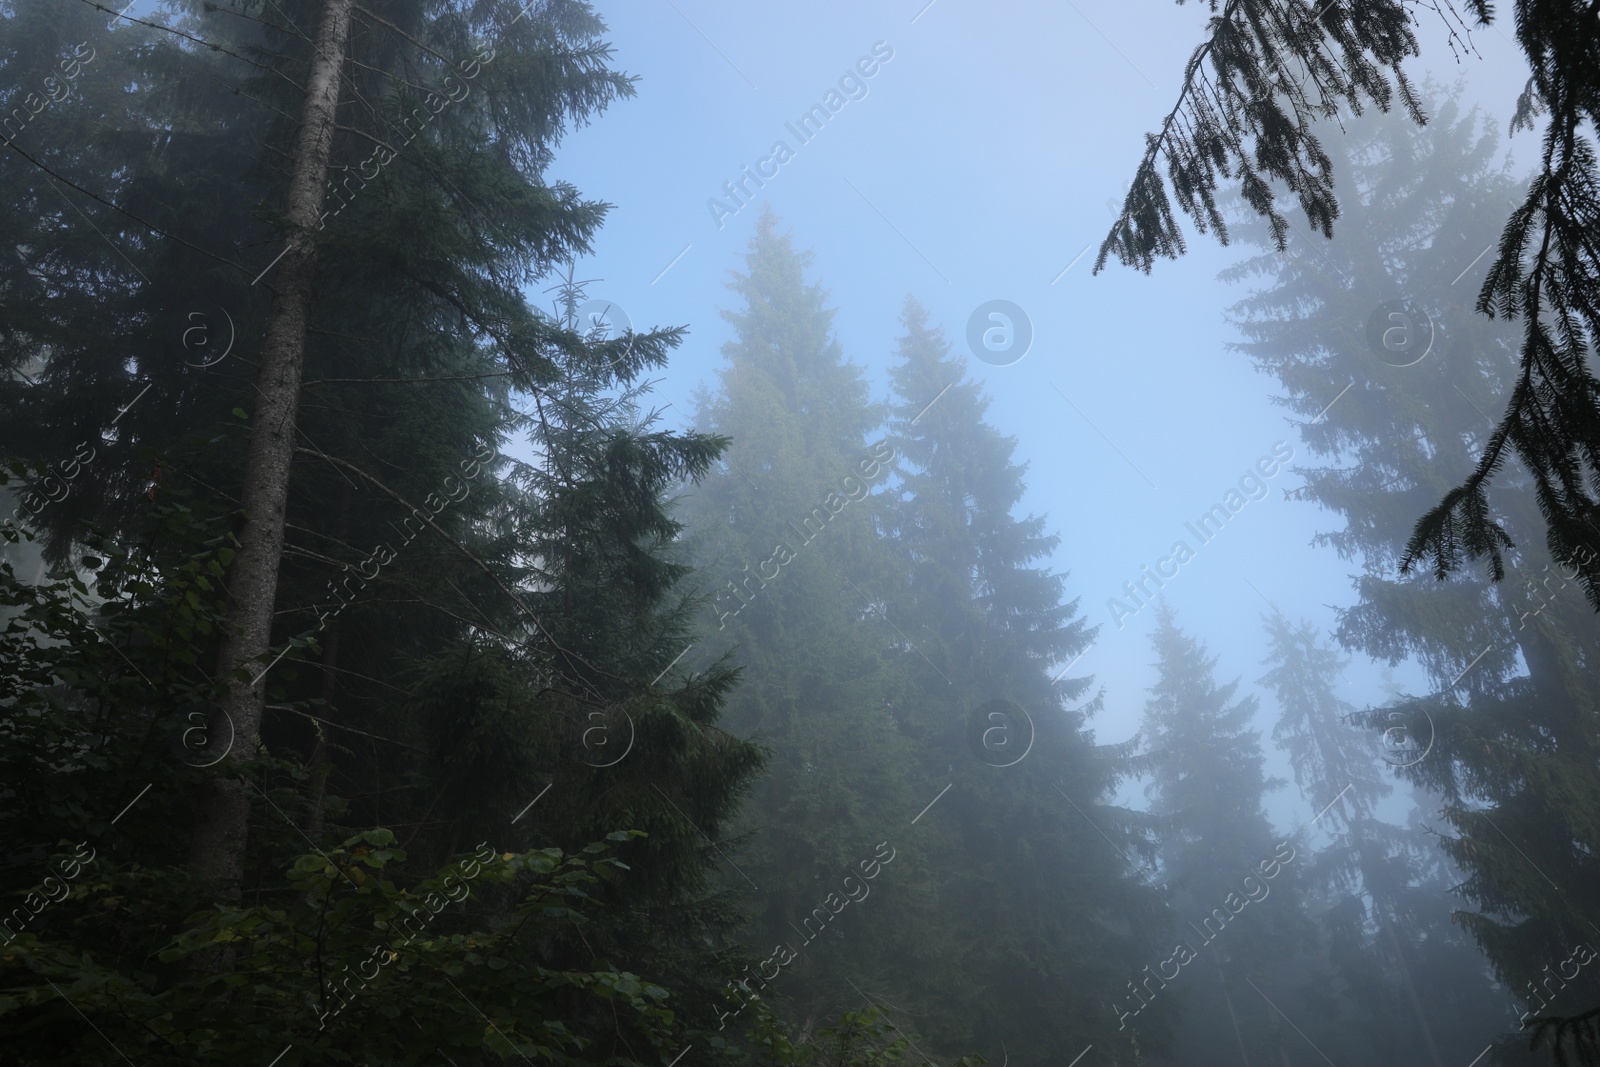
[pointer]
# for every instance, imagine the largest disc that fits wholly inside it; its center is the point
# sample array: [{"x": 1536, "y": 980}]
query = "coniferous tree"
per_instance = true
[
  {"x": 1381, "y": 892},
  {"x": 627, "y": 742},
  {"x": 102, "y": 926},
  {"x": 986, "y": 632},
  {"x": 406, "y": 235},
  {"x": 1238, "y": 921},
  {"x": 1506, "y": 739},
  {"x": 433, "y": 684},
  {"x": 795, "y": 569},
  {"x": 1250, "y": 96}
]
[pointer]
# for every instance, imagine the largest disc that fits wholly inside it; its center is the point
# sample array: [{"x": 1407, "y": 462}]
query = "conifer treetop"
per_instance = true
[{"x": 1246, "y": 109}]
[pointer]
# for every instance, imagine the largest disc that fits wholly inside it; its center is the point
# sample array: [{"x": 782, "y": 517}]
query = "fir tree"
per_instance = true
[
  {"x": 786, "y": 535},
  {"x": 406, "y": 233},
  {"x": 637, "y": 743},
  {"x": 436, "y": 683}
]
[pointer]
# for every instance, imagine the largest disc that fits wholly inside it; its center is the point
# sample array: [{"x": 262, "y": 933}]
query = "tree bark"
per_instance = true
[
  {"x": 1226, "y": 999},
  {"x": 320, "y": 763},
  {"x": 217, "y": 847},
  {"x": 1411, "y": 995}
]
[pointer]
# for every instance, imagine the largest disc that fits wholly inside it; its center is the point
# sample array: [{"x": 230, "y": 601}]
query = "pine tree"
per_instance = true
[
  {"x": 419, "y": 239},
  {"x": 103, "y": 927},
  {"x": 436, "y": 682},
  {"x": 626, "y": 741}
]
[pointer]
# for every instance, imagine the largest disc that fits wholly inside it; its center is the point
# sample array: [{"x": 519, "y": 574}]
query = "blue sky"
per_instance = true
[{"x": 978, "y": 166}]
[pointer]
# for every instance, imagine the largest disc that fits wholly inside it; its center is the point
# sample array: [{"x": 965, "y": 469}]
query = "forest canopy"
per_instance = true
[{"x": 411, "y": 655}]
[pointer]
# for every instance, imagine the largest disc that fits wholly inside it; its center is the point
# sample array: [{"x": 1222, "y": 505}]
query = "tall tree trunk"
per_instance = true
[
  {"x": 1411, "y": 995},
  {"x": 320, "y": 764},
  {"x": 218, "y": 846},
  {"x": 1222, "y": 982},
  {"x": 321, "y": 760}
]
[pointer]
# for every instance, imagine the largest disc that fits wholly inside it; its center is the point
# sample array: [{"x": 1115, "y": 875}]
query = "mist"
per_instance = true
[{"x": 707, "y": 544}]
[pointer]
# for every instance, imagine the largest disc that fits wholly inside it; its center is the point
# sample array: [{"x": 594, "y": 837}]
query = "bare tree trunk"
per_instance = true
[
  {"x": 1226, "y": 999},
  {"x": 217, "y": 848},
  {"x": 1411, "y": 995},
  {"x": 320, "y": 765}
]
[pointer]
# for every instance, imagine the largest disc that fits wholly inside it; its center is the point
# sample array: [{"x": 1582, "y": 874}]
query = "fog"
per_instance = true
[
  {"x": 1032, "y": 661},
  {"x": 986, "y": 161}
]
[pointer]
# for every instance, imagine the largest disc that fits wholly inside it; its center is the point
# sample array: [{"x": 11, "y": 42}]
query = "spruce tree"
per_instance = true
[
  {"x": 1417, "y": 987},
  {"x": 1241, "y": 936},
  {"x": 349, "y": 951},
  {"x": 1506, "y": 736},
  {"x": 623, "y": 738},
  {"x": 440, "y": 657},
  {"x": 1251, "y": 95},
  {"x": 406, "y": 236},
  {"x": 987, "y": 632},
  {"x": 786, "y": 536}
]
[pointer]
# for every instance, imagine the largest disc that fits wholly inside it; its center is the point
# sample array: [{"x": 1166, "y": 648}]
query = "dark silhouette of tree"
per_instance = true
[{"x": 1250, "y": 95}]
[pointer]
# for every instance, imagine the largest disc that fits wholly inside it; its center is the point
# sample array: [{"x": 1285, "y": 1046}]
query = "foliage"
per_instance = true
[
  {"x": 859, "y": 1039},
  {"x": 1245, "y": 929},
  {"x": 1382, "y": 894},
  {"x": 1504, "y": 745},
  {"x": 1250, "y": 94},
  {"x": 785, "y": 538},
  {"x": 984, "y": 635},
  {"x": 423, "y": 986},
  {"x": 104, "y": 680}
]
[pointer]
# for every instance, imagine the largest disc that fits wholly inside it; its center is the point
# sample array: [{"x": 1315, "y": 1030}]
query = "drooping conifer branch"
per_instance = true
[{"x": 1243, "y": 113}]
